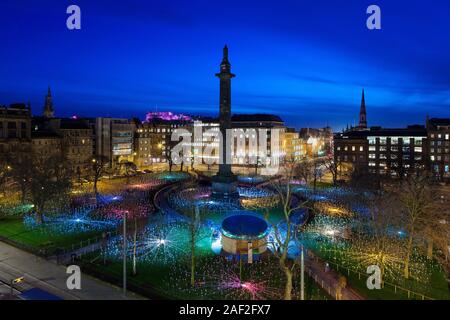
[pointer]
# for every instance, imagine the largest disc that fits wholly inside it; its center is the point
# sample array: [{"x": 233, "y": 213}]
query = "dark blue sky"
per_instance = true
[{"x": 304, "y": 60}]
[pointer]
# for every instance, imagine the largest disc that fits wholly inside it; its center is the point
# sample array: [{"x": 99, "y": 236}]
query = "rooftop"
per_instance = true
[
  {"x": 245, "y": 227},
  {"x": 256, "y": 118},
  {"x": 410, "y": 131}
]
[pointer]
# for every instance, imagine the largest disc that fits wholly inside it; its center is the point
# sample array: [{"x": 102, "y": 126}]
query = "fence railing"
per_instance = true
[{"x": 396, "y": 288}]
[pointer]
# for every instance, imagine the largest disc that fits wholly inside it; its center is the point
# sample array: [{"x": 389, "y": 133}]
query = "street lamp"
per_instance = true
[
  {"x": 125, "y": 253},
  {"x": 16, "y": 281},
  {"x": 302, "y": 275}
]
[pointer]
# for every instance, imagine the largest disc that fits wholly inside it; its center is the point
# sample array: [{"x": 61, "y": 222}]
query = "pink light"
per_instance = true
[
  {"x": 253, "y": 288},
  {"x": 168, "y": 116},
  {"x": 202, "y": 196}
]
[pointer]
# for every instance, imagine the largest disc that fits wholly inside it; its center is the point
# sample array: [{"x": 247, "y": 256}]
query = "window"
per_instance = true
[
  {"x": 353, "y": 148},
  {"x": 372, "y": 148},
  {"x": 432, "y": 158},
  {"x": 447, "y": 137},
  {"x": 12, "y": 132},
  {"x": 418, "y": 149},
  {"x": 372, "y": 164},
  {"x": 394, "y": 140},
  {"x": 383, "y": 140},
  {"x": 361, "y": 148},
  {"x": 372, "y": 140},
  {"x": 372, "y": 156}
]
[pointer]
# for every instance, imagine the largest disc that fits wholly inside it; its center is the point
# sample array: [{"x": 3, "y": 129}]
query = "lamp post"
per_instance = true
[
  {"x": 302, "y": 276},
  {"x": 125, "y": 253}
]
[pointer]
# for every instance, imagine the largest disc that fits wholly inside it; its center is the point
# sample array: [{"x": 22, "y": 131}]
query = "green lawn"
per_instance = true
[
  {"x": 436, "y": 287},
  {"x": 173, "y": 281},
  {"x": 35, "y": 240}
]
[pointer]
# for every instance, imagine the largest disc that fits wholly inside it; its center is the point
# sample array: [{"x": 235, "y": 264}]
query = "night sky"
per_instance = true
[{"x": 306, "y": 61}]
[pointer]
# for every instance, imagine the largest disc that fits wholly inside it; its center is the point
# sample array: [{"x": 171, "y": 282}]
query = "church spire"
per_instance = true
[
  {"x": 48, "y": 107},
  {"x": 363, "y": 113}
]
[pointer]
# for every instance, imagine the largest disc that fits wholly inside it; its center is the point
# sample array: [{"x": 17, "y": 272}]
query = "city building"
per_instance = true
[
  {"x": 291, "y": 145},
  {"x": 316, "y": 142},
  {"x": 439, "y": 147},
  {"x": 77, "y": 141},
  {"x": 393, "y": 152},
  {"x": 113, "y": 139},
  {"x": 152, "y": 141},
  {"x": 15, "y": 129},
  {"x": 45, "y": 142},
  {"x": 270, "y": 125}
]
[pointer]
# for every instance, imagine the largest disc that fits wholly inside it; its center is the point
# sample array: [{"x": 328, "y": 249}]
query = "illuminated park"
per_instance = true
[
  {"x": 209, "y": 202},
  {"x": 172, "y": 221}
]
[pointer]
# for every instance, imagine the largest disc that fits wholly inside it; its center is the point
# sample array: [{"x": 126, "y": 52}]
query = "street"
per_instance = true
[{"x": 50, "y": 277}]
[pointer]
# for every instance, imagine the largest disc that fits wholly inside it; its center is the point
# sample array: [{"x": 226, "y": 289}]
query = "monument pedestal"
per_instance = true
[{"x": 225, "y": 187}]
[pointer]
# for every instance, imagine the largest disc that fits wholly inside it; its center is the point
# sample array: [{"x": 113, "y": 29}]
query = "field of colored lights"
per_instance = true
[{"x": 159, "y": 241}]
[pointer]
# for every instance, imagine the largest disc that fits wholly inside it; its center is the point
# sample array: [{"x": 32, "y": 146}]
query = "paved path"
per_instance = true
[
  {"x": 328, "y": 280},
  {"x": 50, "y": 277}
]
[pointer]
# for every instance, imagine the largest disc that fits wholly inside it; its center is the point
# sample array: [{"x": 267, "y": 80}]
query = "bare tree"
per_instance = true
[
  {"x": 49, "y": 183},
  {"x": 194, "y": 230},
  {"x": 290, "y": 204},
  {"x": 5, "y": 170},
  {"x": 21, "y": 168},
  {"x": 375, "y": 240},
  {"x": 99, "y": 167},
  {"x": 304, "y": 170},
  {"x": 333, "y": 167},
  {"x": 317, "y": 172},
  {"x": 420, "y": 211},
  {"x": 169, "y": 155}
]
